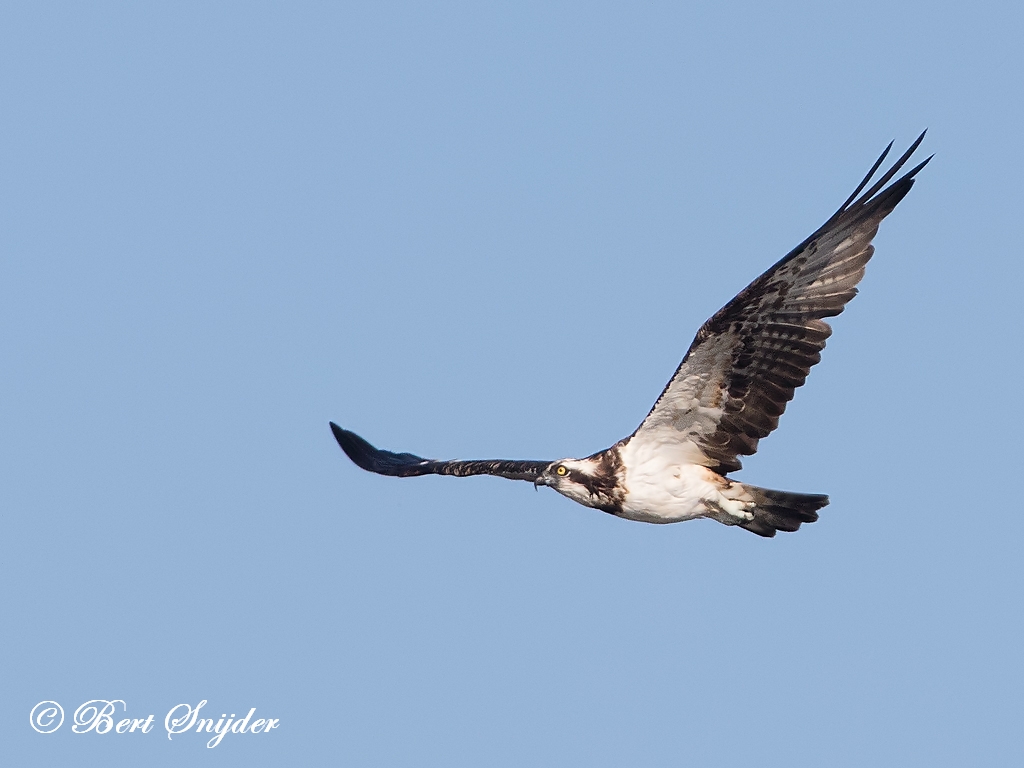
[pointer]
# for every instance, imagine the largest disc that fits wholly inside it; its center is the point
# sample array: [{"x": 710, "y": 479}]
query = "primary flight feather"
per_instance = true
[{"x": 728, "y": 392}]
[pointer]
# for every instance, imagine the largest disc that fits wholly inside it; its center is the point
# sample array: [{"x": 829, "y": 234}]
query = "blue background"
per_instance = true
[{"x": 492, "y": 231}]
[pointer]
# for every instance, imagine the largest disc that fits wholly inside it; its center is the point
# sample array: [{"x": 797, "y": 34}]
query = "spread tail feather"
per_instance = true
[{"x": 781, "y": 510}]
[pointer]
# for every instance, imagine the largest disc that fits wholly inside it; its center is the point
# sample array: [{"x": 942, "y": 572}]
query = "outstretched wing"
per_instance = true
[
  {"x": 409, "y": 465},
  {"x": 747, "y": 360}
]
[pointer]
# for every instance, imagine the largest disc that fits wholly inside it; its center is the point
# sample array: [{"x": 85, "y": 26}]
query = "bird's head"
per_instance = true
[{"x": 574, "y": 478}]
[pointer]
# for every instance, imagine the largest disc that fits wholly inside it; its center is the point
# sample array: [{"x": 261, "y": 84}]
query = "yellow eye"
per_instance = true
[{"x": 561, "y": 471}]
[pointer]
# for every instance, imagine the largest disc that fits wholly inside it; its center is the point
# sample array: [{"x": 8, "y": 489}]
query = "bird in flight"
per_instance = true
[{"x": 727, "y": 393}]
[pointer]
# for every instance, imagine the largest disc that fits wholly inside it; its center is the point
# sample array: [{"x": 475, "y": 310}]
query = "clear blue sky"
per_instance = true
[{"x": 492, "y": 232}]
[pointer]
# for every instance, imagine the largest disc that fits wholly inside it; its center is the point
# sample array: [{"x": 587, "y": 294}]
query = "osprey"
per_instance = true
[{"x": 728, "y": 393}]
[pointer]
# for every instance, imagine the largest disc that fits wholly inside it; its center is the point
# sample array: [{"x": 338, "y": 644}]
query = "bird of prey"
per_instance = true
[{"x": 727, "y": 394}]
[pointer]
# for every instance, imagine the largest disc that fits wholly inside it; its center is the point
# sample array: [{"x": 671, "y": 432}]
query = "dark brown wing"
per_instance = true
[
  {"x": 409, "y": 465},
  {"x": 746, "y": 361}
]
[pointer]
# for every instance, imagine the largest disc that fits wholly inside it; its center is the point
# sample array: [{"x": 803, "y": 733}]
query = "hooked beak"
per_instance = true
[{"x": 540, "y": 480}]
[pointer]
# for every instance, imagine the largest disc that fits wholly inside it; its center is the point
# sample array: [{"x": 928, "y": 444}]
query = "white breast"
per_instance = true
[{"x": 663, "y": 485}]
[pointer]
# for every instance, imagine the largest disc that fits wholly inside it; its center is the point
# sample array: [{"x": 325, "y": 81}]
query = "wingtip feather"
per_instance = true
[{"x": 354, "y": 447}]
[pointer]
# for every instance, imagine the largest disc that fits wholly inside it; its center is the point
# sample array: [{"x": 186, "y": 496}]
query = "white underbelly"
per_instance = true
[
  {"x": 660, "y": 490},
  {"x": 667, "y": 497}
]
